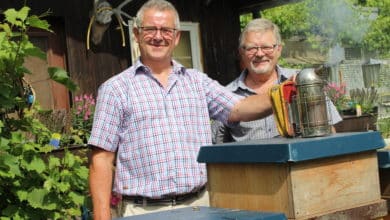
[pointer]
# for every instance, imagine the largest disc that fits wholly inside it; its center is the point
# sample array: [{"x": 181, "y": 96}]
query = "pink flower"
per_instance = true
[
  {"x": 82, "y": 112},
  {"x": 337, "y": 94}
]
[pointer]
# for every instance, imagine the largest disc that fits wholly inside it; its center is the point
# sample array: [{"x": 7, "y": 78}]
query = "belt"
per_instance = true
[{"x": 165, "y": 200}]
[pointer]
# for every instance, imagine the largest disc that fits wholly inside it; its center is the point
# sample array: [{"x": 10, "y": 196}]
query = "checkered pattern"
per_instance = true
[
  {"x": 158, "y": 131},
  {"x": 258, "y": 129}
]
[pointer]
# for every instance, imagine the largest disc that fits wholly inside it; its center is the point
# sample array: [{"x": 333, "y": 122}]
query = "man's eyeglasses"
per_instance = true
[
  {"x": 264, "y": 49},
  {"x": 165, "y": 31}
]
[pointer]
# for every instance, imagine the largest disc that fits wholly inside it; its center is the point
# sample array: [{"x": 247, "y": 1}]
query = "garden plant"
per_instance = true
[{"x": 34, "y": 183}]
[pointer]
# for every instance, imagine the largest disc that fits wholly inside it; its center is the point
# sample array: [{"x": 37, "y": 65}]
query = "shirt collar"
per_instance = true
[
  {"x": 239, "y": 83},
  {"x": 139, "y": 67}
]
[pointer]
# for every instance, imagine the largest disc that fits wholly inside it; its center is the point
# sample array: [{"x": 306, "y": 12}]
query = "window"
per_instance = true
[{"x": 187, "y": 52}]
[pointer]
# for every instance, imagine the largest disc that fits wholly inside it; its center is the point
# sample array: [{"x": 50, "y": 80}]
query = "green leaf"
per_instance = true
[
  {"x": 35, "y": 21},
  {"x": 46, "y": 148},
  {"x": 63, "y": 186},
  {"x": 37, "y": 165},
  {"x": 4, "y": 143},
  {"x": 16, "y": 17},
  {"x": 49, "y": 183},
  {"x": 54, "y": 162},
  {"x": 22, "y": 195},
  {"x": 16, "y": 137},
  {"x": 40, "y": 198},
  {"x": 60, "y": 75},
  {"x": 6, "y": 29},
  {"x": 77, "y": 198},
  {"x": 8, "y": 164},
  {"x": 32, "y": 50},
  {"x": 82, "y": 172},
  {"x": 69, "y": 159},
  {"x": 36, "y": 196}
]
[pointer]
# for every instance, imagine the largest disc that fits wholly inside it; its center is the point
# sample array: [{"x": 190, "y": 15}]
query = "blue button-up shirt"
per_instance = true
[{"x": 257, "y": 129}]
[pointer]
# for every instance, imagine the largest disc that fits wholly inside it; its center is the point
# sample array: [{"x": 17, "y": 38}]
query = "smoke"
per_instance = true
[
  {"x": 336, "y": 55},
  {"x": 338, "y": 20}
]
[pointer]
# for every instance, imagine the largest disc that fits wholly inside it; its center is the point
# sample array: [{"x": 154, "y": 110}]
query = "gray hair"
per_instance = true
[
  {"x": 160, "y": 5},
  {"x": 260, "y": 25}
]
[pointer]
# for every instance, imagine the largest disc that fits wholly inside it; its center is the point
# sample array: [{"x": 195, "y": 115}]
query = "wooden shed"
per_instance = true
[{"x": 217, "y": 29}]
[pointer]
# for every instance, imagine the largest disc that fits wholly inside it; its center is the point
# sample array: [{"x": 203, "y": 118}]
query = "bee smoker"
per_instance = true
[{"x": 311, "y": 104}]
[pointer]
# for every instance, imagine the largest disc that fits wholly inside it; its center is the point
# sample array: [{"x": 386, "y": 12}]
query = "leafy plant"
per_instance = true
[
  {"x": 82, "y": 118},
  {"x": 337, "y": 94},
  {"x": 384, "y": 127},
  {"x": 75, "y": 126},
  {"x": 57, "y": 120},
  {"x": 35, "y": 184},
  {"x": 366, "y": 98},
  {"x": 14, "y": 48}
]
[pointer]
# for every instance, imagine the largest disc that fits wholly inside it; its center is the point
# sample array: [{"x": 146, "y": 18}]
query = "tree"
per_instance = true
[
  {"x": 346, "y": 22},
  {"x": 378, "y": 36}
]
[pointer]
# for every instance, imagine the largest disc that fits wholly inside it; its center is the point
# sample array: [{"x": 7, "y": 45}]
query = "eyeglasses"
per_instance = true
[
  {"x": 264, "y": 49},
  {"x": 165, "y": 31}
]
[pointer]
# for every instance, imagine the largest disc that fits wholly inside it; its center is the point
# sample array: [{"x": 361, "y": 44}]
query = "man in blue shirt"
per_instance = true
[{"x": 260, "y": 47}]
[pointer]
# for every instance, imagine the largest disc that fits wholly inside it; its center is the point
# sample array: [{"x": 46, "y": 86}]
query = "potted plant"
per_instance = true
[
  {"x": 73, "y": 128},
  {"x": 362, "y": 113},
  {"x": 337, "y": 94}
]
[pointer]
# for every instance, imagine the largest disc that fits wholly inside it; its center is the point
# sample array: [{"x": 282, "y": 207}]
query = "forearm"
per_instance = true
[
  {"x": 100, "y": 183},
  {"x": 251, "y": 108}
]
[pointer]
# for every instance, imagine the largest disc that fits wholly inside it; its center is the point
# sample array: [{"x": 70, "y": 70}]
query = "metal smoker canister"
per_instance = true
[{"x": 312, "y": 105}]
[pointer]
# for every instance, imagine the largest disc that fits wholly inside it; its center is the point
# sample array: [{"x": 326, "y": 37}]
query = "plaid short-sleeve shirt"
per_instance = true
[
  {"x": 262, "y": 128},
  {"x": 156, "y": 131}
]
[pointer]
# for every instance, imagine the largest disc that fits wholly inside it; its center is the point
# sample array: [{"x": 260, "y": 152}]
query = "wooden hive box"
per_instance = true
[{"x": 334, "y": 176}]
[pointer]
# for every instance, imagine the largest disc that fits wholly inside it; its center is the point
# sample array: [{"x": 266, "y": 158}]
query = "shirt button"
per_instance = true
[{"x": 125, "y": 187}]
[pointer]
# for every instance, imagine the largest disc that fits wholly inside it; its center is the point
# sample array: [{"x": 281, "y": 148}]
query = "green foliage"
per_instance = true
[
  {"x": 35, "y": 184},
  {"x": 378, "y": 36},
  {"x": 61, "y": 76},
  {"x": 244, "y": 19},
  {"x": 292, "y": 19},
  {"x": 326, "y": 23},
  {"x": 366, "y": 98},
  {"x": 384, "y": 127},
  {"x": 14, "y": 48}
]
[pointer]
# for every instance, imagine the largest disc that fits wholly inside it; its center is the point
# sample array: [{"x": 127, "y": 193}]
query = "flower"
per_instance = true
[
  {"x": 337, "y": 93},
  {"x": 82, "y": 116}
]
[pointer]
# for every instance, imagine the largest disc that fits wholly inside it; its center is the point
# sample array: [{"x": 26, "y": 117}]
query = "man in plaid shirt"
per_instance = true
[
  {"x": 260, "y": 49},
  {"x": 152, "y": 119}
]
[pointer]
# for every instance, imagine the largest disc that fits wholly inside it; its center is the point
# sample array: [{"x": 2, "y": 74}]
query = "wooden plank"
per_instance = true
[
  {"x": 300, "y": 190},
  {"x": 337, "y": 183},
  {"x": 250, "y": 187}
]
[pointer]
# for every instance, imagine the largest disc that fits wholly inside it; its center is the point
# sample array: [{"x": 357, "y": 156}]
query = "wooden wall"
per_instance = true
[{"x": 219, "y": 27}]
